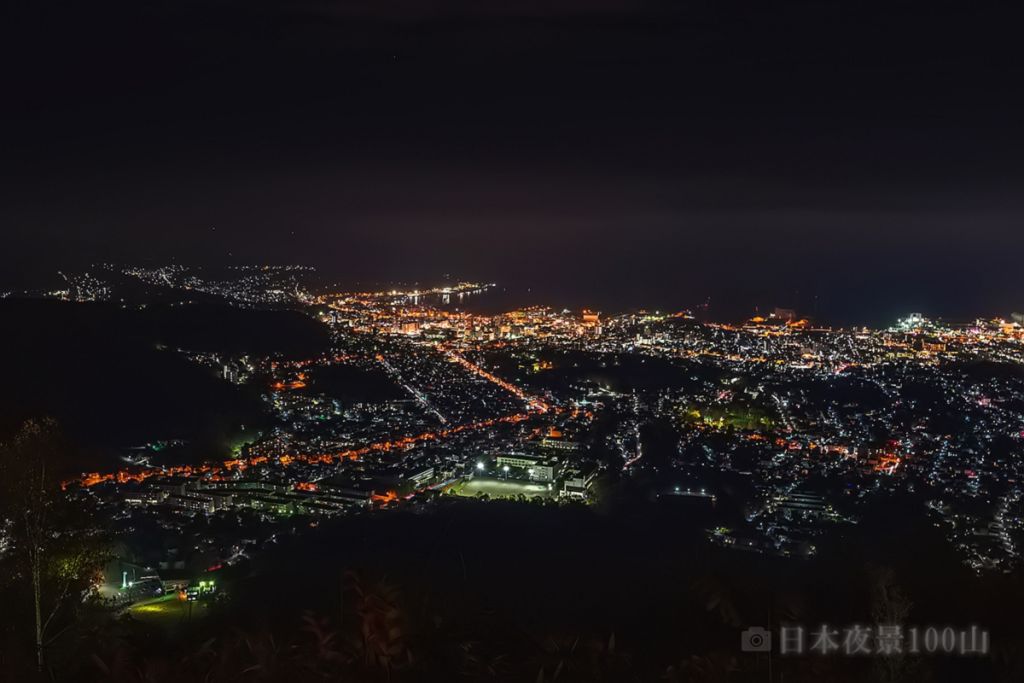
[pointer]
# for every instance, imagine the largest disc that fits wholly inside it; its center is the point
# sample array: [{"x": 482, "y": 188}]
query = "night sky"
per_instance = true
[{"x": 857, "y": 160}]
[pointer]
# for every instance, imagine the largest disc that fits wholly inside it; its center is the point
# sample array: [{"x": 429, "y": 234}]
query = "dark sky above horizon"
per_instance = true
[{"x": 858, "y": 159}]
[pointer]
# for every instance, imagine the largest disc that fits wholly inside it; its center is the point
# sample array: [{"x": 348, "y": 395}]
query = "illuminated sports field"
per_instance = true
[
  {"x": 166, "y": 611},
  {"x": 501, "y": 489}
]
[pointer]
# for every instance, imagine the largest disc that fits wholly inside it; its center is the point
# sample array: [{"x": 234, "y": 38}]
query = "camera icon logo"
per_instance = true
[{"x": 756, "y": 639}]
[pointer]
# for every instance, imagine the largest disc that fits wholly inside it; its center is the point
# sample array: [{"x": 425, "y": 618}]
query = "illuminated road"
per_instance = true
[
  {"x": 636, "y": 434},
  {"x": 532, "y": 402},
  {"x": 416, "y": 393},
  {"x": 215, "y": 470}
]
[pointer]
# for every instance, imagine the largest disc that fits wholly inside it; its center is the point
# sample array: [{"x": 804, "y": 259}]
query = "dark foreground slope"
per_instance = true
[{"x": 475, "y": 591}]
